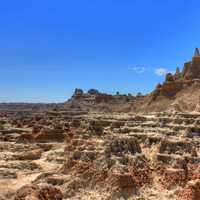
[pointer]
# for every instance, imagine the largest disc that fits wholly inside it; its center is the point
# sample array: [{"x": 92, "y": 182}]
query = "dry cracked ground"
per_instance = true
[{"x": 77, "y": 155}]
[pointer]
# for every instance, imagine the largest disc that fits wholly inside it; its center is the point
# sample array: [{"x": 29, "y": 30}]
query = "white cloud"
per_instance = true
[
  {"x": 138, "y": 70},
  {"x": 161, "y": 71}
]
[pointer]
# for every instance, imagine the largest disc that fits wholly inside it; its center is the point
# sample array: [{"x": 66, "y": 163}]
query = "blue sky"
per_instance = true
[{"x": 48, "y": 47}]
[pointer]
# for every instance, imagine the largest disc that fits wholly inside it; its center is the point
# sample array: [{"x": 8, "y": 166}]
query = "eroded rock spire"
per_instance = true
[{"x": 196, "y": 52}]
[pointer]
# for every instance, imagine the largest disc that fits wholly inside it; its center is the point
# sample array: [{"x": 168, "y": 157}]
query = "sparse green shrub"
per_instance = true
[{"x": 1, "y": 125}]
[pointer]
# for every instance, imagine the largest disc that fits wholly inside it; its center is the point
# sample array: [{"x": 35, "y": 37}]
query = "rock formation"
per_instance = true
[
  {"x": 97, "y": 101},
  {"x": 101, "y": 155},
  {"x": 34, "y": 192},
  {"x": 183, "y": 85},
  {"x": 95, "y": 147}
]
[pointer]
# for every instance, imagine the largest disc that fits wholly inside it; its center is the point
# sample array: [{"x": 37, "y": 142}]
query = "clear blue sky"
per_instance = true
[{"x": 50, "y": 47}]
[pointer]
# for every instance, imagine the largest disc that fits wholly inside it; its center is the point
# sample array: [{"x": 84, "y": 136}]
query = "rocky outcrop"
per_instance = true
[
  {"x": 50, "y": 135},
  {"x": 43, "y": 136},
  {"x": 178, "y": 147},
  {"x": 190, "y": 192},
  {"x": 174, "y": 83},
  {"x": 184, "y": 85},
  {"x": 93, "y": 100},
  {"x": 35, "y": 192},
  {"x": 97, "y": 155},
  {"x": 124, "y": 145},
  {"x": 191, "y": 69}
]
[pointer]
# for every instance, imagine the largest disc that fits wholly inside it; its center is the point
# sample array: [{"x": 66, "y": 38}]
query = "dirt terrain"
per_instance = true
[
  {"x": 106, "y": 147},
  {"x": 102, "y": 156}
]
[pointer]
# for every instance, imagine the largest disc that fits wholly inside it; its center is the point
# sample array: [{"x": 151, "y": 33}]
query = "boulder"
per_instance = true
[{"x": 35, "y": 192}]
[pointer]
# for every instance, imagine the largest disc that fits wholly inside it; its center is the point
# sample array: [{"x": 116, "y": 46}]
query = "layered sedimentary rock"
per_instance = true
[
  {"x": 103, "y": 156},
  {"x": 179, "y": 91},
  {"x": 93, "y": 100},
  {"x": 35, "y": 192},
  {"x": 85, "y": 149}
]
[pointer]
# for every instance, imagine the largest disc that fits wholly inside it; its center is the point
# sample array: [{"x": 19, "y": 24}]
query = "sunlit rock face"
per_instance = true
[
  {"x": 98, "y": 148},
  {"x": 35, "y": 192},
  {"x": 180, "y": 86},
  {"x": 96, "y": 155},
  {"x": 192, "y": 69}
]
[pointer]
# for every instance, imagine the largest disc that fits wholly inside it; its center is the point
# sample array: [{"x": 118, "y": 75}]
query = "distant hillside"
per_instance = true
[
  {"x": 93, "y": 100},
  {"x": 179, "y": 92}
]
